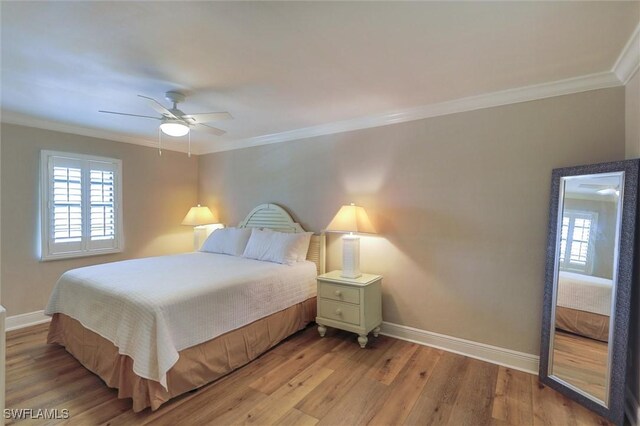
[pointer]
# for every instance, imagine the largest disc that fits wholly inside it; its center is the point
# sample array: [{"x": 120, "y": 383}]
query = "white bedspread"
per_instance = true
[
  {"x": 584, "y": 292},
  {"x": 153, "y": 308}
]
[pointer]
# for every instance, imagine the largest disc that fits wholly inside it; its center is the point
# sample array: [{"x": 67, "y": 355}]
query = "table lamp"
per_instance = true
[
  {"x": 353, "y": 220},
  {"x": 198, "y": 217}
]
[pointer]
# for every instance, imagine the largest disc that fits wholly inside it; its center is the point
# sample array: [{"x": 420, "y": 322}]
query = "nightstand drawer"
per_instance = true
[
  {"x": 340, "y": 293},
  {"x": 339, "y": 311}
]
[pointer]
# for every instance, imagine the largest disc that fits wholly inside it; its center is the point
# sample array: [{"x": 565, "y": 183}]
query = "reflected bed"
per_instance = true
[{"x": 584, "y": 304}]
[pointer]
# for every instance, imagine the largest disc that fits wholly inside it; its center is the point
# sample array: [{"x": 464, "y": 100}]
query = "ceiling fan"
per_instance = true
[
  {"x": 596, "y": 185},
  {"x": 175, "y": 122},
  {"x": 602, "y": 189}
]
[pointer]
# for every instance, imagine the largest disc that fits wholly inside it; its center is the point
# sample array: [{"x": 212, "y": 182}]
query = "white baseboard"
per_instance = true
[
  {"x": 631, "y": 408},
  {"x": 493, "y": 354},
  {"x": 16, "y": 322}
]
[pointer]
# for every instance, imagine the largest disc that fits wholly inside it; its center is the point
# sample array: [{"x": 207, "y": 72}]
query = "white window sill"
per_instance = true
[{"x": 73, "y": 255}]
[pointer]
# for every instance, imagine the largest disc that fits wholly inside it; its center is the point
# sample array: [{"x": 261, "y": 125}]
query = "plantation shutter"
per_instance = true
[
  {"x": 577, "y": 240},
  {"x": 81, "y": 213},
  {"x": 65, "y": 204},
  {"x": 102, "y": 220}
]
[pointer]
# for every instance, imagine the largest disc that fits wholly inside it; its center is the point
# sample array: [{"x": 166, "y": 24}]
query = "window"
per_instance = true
[
  {"x": 577, "y": 241},
  {"x": 81, "y": 205}
]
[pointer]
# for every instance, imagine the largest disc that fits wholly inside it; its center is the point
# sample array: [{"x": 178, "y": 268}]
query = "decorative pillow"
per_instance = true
[
  {"x": 304, "y": 239},
  {"x": 278, "y": 247},
  {"x": 227, "y": 241}
]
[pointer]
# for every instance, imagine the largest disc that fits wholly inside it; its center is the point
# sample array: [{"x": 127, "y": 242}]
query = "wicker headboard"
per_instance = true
[{"x": 275, "y": 217}]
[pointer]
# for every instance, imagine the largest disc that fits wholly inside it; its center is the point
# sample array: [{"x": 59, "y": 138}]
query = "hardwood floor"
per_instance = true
[
  {"x": 305, "y": 380},
  {"x": 581, "y": 362}
]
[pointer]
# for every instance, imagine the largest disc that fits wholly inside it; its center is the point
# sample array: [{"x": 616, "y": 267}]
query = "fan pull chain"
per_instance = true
[
  {"x": 189, "y": 144},
  {"x": 159, "y": 142}
]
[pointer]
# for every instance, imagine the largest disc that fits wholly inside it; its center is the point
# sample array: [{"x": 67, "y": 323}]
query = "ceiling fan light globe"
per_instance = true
[{"x": 174, "y": 129}]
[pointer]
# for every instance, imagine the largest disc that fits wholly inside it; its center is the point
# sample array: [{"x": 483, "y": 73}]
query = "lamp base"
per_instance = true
[
  {"x": 199, "y": 235},
  {"x": 350, "y": 257},
  {"x": 202, "y": 232}
]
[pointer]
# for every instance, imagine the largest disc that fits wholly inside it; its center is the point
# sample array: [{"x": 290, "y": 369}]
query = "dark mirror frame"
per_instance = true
[{"x": 620, "y": 318}]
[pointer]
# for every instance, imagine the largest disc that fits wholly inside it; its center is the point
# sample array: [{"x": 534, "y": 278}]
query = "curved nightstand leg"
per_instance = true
[
  {"x": 362, "y": 339},
  {"x": 322, "y": 330},
  {"x": 376, "y": 331}
]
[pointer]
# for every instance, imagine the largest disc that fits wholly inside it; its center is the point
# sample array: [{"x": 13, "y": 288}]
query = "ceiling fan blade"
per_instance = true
[
  {"x": 159, "y": 107},
  {"x": 214, "y": 130},
  {"x": 131, "y": 115},
  {"x": 207, "y": 117}
]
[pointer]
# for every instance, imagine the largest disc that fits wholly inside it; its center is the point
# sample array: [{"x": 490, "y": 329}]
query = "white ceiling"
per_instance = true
[{"x": 281, "y": 66}]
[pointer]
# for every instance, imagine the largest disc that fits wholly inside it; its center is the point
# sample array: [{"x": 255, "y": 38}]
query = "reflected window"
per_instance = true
[{"x": 576, "y": 244}]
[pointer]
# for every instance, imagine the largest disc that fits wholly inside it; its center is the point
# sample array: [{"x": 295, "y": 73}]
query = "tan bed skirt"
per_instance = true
[
  {"x": 197, "y": 366},
  {"x": 587, "y": 324}
]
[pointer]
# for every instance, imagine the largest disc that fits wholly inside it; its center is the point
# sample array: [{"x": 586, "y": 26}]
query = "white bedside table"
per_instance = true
[{"x": 351, "y": 304}]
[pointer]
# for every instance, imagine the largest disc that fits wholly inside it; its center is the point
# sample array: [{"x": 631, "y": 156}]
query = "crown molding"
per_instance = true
[
  {"x": 489, "y": 100},
  {"x": 11, "y": 117},
  {"x": 629, "y": 60}
]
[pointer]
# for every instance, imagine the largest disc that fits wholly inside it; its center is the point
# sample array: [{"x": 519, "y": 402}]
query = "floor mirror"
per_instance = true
[{"x": 588, "y": 279}]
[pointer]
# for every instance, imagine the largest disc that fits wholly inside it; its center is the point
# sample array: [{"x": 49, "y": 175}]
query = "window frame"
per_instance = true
[
  {"x": 566, "y": 263},
  {"x": 46, "y": 206}
]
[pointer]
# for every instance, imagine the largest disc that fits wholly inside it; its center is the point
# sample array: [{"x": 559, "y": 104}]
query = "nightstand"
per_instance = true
[{"x": 351, "y": 304}]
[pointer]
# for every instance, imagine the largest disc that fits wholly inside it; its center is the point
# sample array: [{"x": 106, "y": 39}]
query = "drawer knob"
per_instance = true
[
  {"x": 338, "y": 311},
  {"x": 338, "y": 293}
]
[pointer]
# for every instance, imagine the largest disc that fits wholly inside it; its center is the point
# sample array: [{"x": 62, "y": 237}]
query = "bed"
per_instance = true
[
  {"x": 158, "y": 327},
  {"x": 584, "y": 305}
]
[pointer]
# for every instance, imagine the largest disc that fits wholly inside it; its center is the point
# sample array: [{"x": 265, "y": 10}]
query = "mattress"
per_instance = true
[
  {"x": 197, "y": 366},
  {"x": 584, "y": 293},
  {"x": 153, "y": 308}
]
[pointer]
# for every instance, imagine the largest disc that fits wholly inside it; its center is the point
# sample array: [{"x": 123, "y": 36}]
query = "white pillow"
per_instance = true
[
  {"x": 303, "y": 239},
  {"x": 278, "y": 247},
  {"x": 227, "y": 241}
]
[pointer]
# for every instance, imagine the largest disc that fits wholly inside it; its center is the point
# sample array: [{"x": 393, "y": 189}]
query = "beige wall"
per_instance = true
[
  {"x": 460, "y": 201},
  {"x": 157, "y": 193},
  {"x": 632, "y": 116}
]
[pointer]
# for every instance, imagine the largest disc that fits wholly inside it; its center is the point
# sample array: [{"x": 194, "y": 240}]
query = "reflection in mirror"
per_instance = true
[
  {"x": 588, "y": 278},
  {"x": 586, "y": 260}
]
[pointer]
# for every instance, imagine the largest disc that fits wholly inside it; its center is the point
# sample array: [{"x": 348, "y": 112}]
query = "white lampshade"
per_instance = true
[
  {"x": 174, "y": 129},
  {"x": 351, "y": 218},
  {"x": 199, "y": 215}
]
